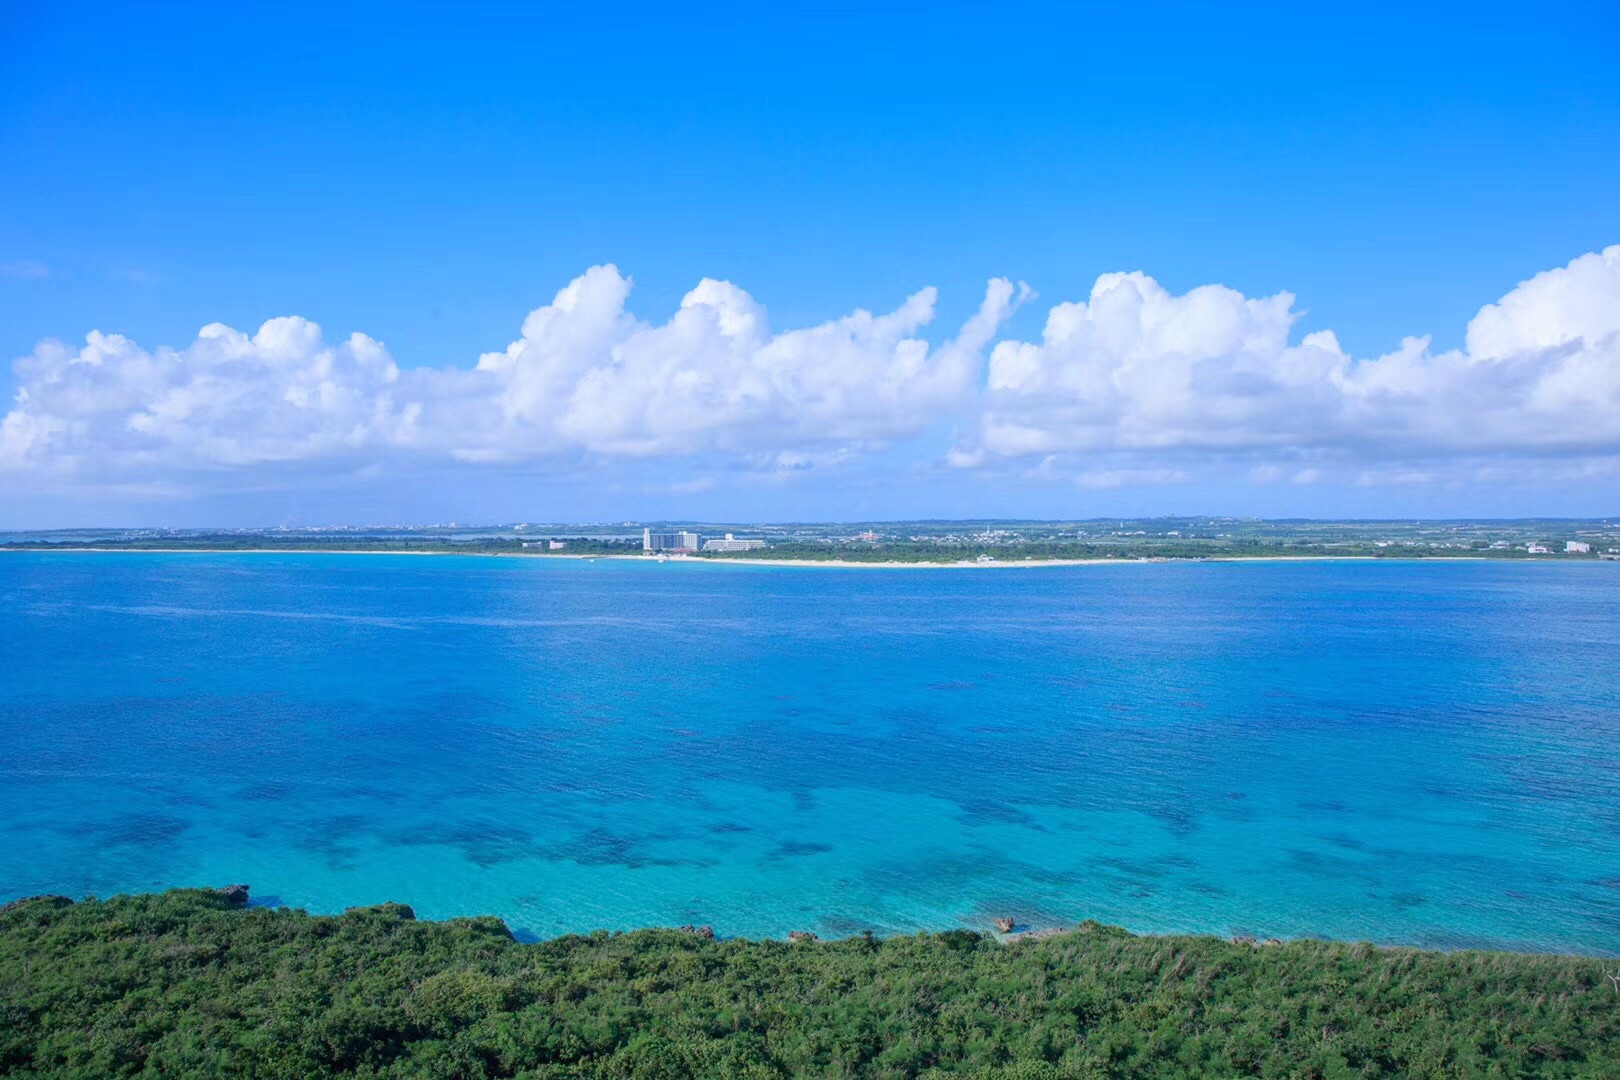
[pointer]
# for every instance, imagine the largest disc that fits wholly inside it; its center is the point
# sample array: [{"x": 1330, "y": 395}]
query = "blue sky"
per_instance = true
[{"x": 428, "y": 176}]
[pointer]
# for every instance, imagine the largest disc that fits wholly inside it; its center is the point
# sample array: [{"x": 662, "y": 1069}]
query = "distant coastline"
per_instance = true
[
  {"x": 832, "y": 563},
  {"x": 966, "y": 543}
]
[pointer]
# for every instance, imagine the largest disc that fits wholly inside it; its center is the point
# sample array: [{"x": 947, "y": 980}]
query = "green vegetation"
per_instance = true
[
  {"x": 904, "y": 551},
  {"x": 917, "y": 541},
  {"x": 275, "y": 541},
  {"x": 184, "y": 984}
]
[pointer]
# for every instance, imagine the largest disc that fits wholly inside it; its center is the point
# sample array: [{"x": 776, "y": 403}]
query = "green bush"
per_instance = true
[{"x": 183, "y": 984}]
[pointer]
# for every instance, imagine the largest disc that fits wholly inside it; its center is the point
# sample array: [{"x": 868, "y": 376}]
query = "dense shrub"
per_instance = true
[{"x": 181, "y": 983}]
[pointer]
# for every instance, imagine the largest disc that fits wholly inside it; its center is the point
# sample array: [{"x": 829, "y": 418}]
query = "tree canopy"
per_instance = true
[{"x": 186, "y": 983}]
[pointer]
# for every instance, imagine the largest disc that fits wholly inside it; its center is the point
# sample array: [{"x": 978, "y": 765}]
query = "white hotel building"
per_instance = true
[
  {"x": 731, "y": 543},
  {"x": 668, "y": 541}
]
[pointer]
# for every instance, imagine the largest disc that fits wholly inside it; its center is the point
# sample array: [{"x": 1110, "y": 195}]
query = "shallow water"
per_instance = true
[{"x": 1420, "y": 753}]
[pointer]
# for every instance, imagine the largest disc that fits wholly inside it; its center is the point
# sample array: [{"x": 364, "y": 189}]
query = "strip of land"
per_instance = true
[
  {"x": 975, "y": 544},
  {"x": 730, "y": 560}
]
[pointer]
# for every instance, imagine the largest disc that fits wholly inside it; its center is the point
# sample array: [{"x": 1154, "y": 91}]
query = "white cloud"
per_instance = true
[
  {"x": 225, "y": 400},
  {"x": 585, "y": 377},
  {"x": 1135, "y": 386},
  {"x": 139, "y": 275},
  {"x": 1213, "y": 373},
  {"x": 698, "y": 486},
  {"x": 24, "y": 270},
  {"x": 1575, "y": 303},
  {"x": 587, "y": 374},
  {"x": 1103, "y": 479}
]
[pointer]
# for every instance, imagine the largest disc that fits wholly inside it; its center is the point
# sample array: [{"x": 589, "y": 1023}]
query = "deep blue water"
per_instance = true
[{"x": 1421, "y": 753}]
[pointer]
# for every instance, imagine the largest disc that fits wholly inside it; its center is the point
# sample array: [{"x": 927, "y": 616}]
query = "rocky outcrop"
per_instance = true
[
  {"x": 704, "y": 932},
  {"x": 234, "y": 894},
  {"x": 1005, "y": 924},
  {"x": 802, "y": 935},
  {"x": 44, "y": 898},
  {"x": 1249, "y": 941},
  {"x": 1037, "y": 935}
]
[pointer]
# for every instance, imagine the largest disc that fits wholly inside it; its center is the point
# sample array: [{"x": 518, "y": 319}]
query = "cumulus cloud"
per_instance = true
[
  {"x": 585, "y": 373},
  {"x": 226, "y": 400},
  {"x": 1135, "y": 386},
  {"x": 584, "y": 377},
  {"x": 1137, "y": 370}
]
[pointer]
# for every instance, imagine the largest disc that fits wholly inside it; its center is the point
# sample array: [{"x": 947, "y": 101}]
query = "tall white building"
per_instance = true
[
  {"x": 669, "y": 541},
  {"x": 1577, "y": 547}
]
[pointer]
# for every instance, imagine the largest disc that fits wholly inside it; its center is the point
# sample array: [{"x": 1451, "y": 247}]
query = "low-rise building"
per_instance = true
[{"x": 732, "y": 543}]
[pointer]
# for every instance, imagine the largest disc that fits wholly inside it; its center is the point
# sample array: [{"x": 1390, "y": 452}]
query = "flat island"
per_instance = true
[
  {"x": 973, "y": 543},
  {"x": 192, "y": 982}
]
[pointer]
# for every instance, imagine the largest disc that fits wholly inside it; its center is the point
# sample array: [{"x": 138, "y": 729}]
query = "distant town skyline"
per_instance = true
[{"x": 807, "y": 266}]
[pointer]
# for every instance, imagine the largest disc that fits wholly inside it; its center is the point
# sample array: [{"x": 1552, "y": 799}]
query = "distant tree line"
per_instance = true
[{"x": 484, "y": 545}]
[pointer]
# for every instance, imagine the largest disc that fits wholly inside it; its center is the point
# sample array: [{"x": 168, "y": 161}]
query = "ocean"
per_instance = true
[{"x": 1419, "y": 753}]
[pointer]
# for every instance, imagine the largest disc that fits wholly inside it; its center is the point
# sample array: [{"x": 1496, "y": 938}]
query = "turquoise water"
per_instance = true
[{"x": 1421, "y": 753}]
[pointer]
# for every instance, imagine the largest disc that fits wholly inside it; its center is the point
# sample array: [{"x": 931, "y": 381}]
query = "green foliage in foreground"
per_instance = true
[{"x": 181, "y": 984}]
